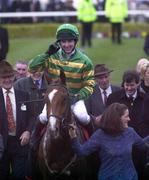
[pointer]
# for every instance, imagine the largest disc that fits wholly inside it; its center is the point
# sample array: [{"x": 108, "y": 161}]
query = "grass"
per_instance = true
[{"x": 116, "y": 57}]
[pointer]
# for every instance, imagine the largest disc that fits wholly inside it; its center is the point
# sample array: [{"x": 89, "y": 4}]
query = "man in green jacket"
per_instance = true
[
  {"x": 116, "y": 11},
  {"x": 78, "y": 69},
  {"x": 87, "y": 15}
]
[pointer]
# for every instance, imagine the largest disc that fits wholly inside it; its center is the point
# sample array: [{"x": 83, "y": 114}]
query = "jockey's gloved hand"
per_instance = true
[
  {"x": 74, "y": 99},
  {"x": 53, "y": 48}
]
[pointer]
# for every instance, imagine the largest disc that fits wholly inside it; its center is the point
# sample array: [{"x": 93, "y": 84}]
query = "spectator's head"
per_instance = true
[
  {"x": 7, "y": 75},
  {"x": 131, "y": 81},
  {"x": 102, "y": 76},
  {"x": 140, "y": 63},
  {"x": 67, "y": 35},
  {"x": 22, "y": 69},
  {"x": 145, "y": 72},
  {"x": 115, "y": 119},
  {"x": 35, "y": 73}
]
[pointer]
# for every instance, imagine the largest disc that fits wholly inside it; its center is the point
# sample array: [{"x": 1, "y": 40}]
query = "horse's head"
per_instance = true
[
  {"x": 55, "y": 150},
  {"x": 58, "y": 109}
]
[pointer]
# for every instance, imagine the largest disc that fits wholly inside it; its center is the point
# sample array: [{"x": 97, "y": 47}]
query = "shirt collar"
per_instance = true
[
  {"x": 68, "y": 56},
  {"x": 108, "y": 90},
  {"x": 134, "y": 95},
  {"x": 5, "y": 90}
]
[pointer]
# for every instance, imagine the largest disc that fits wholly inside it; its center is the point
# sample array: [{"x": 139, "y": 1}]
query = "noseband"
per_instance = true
[{"x": 63, "y": 118}]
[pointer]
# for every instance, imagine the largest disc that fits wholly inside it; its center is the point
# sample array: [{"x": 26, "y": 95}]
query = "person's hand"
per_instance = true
[
  {"x": 97, "y": 120},
  {"x": 25, "y": 136},
  {"x": 53, "y": 48},
  {"x": 72, "y": 131}
]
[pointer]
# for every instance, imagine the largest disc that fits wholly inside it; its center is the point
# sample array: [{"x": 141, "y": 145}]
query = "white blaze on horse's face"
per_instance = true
[
  {"x": 52, "y": 119},
  {"x": 51, "y": 94}
]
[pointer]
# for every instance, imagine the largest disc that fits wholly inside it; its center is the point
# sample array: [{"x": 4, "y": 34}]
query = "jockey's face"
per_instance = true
[
  {"x": 68, "y": 45},
  {"x": 37, "y": 75}
]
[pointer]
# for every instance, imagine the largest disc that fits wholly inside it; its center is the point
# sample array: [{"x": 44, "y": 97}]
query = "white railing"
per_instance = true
[{"x": 145, "y": 13}]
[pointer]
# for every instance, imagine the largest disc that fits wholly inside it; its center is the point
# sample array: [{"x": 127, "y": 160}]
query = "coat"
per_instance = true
[
  {"x": 116, "y": 10},
  {"x": 4, "y": 44},
  {"x": 94, "y": 103},
  {"x": 27, "y": 84},
  {"x": 135, "y": 107},
  {"x": 24, "y": 118},
  {"x": 145, "y": 113},
  {"x": 146, "y": 45}
]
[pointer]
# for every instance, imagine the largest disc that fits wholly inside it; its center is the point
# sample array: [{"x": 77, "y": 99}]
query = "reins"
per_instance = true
[{"x": 30, "y": 101}]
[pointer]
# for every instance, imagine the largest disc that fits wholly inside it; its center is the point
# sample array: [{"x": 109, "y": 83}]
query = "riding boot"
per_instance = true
[{"x": 36, "y": 135}]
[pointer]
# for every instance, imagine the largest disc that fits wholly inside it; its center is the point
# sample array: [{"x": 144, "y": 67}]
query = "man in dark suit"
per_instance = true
[
  {"x": 130, "y": 96},
  {"x": 4, "y": 43},
  {"x": 95, "y": 104},
  {"x": 16, "y": 122},
  {"x": 36, "y": 85}
]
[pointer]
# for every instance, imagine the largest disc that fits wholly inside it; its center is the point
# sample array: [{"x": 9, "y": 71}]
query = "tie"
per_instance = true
[
  {"x": 131, "y": 99},
  {"x": 37, "y": 84},
  {"x": 10, "y": 117},
  {"x": 105, "y": 97}
]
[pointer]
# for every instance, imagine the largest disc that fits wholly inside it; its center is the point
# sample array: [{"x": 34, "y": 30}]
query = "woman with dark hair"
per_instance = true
[{"x": 114, "y": 140}]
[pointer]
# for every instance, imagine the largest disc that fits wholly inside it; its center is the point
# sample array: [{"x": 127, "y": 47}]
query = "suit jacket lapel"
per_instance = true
[
  {"x": 2, "y": 102},
  {"x": 18, "y": 101}
]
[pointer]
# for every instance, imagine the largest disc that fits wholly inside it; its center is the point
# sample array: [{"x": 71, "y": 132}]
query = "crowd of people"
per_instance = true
[{"x": 116, "y": 117}]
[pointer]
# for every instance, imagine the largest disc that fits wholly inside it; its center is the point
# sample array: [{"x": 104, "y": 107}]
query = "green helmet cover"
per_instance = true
[{"x": 67, "y": 31}]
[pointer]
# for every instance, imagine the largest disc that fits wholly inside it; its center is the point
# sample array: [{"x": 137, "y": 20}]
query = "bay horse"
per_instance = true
[{"x": 56, "y": 158}]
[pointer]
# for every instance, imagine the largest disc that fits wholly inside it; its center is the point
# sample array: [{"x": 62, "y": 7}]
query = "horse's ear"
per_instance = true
[{"x": 62, "y": 77}]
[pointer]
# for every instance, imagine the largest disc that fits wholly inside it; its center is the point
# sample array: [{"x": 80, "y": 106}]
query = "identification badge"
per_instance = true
[{"x": 23, "y": 107}]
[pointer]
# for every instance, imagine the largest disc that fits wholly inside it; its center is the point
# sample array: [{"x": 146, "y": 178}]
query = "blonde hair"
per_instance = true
[
  {"x": 143, "y": 70},
  {"x": 141, "y": 62}
]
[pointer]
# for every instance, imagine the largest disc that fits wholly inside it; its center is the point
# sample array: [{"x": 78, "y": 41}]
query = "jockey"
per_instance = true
[{"x": 78, "y": 68}]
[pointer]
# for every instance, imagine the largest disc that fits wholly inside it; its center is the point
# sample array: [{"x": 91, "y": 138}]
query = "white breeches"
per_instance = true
[
  {"x": 80, "y": 112},
  {"x": 78, "y": 109}
]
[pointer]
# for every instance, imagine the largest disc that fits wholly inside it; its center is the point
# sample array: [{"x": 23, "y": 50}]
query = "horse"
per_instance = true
[{"x": 56, "y": 159}]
